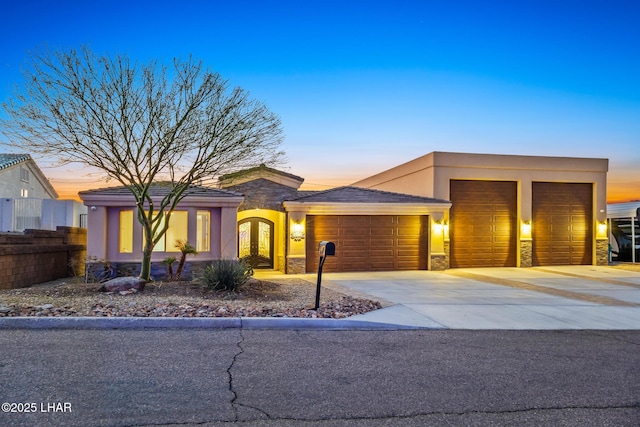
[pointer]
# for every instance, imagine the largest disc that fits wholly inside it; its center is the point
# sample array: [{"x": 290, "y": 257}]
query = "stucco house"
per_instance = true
[
  {"x": 442, "y": 210},
  {"x": 206, "y": 218}
]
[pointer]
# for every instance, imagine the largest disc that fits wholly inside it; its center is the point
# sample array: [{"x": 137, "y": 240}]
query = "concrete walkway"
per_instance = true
[{"x": 568, "y": 297}]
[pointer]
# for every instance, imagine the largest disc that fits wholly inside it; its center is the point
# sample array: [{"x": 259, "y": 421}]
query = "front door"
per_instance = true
[{"x": 255, "y": 242}]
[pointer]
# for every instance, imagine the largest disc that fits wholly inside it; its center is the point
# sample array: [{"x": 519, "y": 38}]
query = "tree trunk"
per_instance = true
[
  {"x": 181, "y": 266},
  {"x": 145, "y": 267}
]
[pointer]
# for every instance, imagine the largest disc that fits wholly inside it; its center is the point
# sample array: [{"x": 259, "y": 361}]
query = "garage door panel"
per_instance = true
[
  {"x": 408, "y": 242},
  {"x": 381, "y": 232},
  {"x": 382, "y": 253},
  {"x": 370, "y": 243},
  {"x": 562, "y": 230},
  {"x": 483, "y": 223}
]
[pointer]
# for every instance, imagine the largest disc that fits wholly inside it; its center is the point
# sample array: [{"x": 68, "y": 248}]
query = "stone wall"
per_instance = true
[
  {"x": 100, "y": 270},
  {"x": 37, "y": 256},
  {"x": 602, "y": 252}
]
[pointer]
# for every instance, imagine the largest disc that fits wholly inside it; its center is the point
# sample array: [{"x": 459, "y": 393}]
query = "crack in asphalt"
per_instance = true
[
  {"x": 230, "y": 375},
  {"x": 234, "y": 399},
  {"x": 615, "y": 338}
]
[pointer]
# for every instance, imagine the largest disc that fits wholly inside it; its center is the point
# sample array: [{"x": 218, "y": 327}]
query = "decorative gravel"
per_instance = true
[{"x": 272, "y": 298}]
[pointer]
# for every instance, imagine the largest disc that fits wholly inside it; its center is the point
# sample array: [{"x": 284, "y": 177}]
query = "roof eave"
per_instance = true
[{"x": 350, "y": 208}]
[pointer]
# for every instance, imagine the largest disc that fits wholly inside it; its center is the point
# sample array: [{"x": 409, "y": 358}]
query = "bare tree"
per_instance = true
[{"x": 140, "y": 124}]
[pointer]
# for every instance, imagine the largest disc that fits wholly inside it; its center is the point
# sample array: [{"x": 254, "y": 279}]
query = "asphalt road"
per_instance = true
[{"x": 319, "y": 378}]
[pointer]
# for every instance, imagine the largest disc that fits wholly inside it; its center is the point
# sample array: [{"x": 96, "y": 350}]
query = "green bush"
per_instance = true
[{"x": 226, "y": 274}]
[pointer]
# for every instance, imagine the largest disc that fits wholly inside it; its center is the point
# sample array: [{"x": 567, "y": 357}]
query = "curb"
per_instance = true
[{"x": 101, "y": 323}]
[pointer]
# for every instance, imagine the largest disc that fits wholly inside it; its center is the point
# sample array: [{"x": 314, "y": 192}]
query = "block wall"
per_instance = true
[{"x": 38, "y": 256}]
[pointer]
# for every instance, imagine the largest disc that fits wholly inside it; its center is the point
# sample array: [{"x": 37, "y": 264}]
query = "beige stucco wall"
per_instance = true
[{"x": 430, "y": 176}]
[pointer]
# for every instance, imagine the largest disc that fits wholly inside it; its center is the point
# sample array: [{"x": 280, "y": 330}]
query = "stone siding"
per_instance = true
[
  {"x": 526, "y": 253},
  {"x": 439, "y": 262},
  {"x": 296, "y": 265},
  {"x": 602, "y": 252},
  {"x": 100, "y": 270}
]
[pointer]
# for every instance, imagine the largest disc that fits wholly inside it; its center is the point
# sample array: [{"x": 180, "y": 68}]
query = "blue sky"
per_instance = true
[{"x": 362, "y": 86}]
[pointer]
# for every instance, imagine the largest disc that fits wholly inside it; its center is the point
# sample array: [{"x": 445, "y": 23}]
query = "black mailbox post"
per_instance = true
[{"x": 324, "y": 249}]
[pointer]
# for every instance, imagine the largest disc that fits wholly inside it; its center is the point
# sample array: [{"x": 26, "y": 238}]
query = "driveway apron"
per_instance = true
[{"x": 545, "y": 298}]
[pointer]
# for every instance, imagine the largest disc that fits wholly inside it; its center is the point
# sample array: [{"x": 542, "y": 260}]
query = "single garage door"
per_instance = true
[
  {"x": 562, "y": 223},
  {"x": 483, "y": 223},
  {"x": 369, "y": 242}
]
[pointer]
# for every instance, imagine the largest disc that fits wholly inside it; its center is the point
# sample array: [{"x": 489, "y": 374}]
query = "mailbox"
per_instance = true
[{"x": 326, "y": 248}]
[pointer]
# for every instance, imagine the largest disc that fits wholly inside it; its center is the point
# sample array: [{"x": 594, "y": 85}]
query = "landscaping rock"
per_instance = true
[{"x": 123, "y": 284}]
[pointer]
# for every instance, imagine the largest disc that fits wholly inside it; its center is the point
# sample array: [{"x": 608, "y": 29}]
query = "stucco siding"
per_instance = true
[{"x": 12, "y": 184}]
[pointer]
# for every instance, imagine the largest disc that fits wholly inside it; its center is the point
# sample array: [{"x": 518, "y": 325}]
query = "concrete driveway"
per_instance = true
[{"x": 567, "y": 297}]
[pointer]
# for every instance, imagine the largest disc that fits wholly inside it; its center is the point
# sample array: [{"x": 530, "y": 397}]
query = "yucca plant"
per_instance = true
[{"x": 226, "y": 274}]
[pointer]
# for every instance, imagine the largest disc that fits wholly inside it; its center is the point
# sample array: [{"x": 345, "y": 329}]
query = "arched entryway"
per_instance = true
[{"x": 255, "y": 241}]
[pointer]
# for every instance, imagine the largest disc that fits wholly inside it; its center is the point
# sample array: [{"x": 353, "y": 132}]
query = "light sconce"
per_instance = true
[
  {"x": 525, "y": 229},
  {"x": 602, "y": 229},
  {"x": 297, "y": 232},
  {"x": 438, "y": 226}
]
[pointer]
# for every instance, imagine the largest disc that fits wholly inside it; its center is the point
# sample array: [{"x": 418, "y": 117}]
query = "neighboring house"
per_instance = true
[
  {"x": 20, "y": 177},
  {"x": 442, "y": 210},
  {"x": 206, "y": 218},
  {"x": 29, "y": 201}
]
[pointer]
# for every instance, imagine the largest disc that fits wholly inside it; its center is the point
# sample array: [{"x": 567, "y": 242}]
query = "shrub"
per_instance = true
[{"x": 226, "y": 274}]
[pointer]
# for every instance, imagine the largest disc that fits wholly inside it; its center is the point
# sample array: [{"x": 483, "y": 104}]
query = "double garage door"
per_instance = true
[
  {"x": 369, "y": 242},
  {"x": 484, "y": 226}
]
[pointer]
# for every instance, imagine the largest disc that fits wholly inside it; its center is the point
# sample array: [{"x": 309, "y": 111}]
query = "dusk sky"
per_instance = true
[{"x": 362, "y": 86}]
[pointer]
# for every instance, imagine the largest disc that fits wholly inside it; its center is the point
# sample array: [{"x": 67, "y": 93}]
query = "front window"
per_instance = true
[
  {"x": 126, "y": 232},
  {"x": 202, "y": 230},
  {"x": 178, "y": 230}
]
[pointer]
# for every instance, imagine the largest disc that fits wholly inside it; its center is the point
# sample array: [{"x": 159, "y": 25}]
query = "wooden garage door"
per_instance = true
[
  {"x": 483, "y": 223},
  {"x": 562, "y": 228},
  {"x": 369, "y": 243}
]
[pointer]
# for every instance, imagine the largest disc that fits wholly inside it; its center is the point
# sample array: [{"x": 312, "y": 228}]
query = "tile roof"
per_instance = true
[
  {"x": 7, "y": 160},
  {"x": 161, "y": 189},
  {"x": 349, "y": 194},
  {"x": 261, "y": 168},
  {"x": 264, "y": 194}
]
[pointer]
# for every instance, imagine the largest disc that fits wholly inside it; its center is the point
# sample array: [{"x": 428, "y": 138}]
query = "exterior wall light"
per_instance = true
[
  {"x": 602, "y": 229},
  {"x": 525, "y": 229},
  {"x": 438, "y": 226},
  {"x": 297, "y": 232}
]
